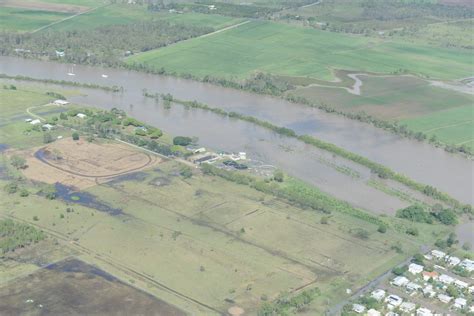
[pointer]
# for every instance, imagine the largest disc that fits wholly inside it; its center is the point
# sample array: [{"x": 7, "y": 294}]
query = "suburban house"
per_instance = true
[
  {"x": 438, "y": 254},
  {"x": 468, "y": 265},
  {"x": 414, "y": 268},
  {"x": 412, "y": 286},
  {"x": 445, "y": 298},
  {"x": 378, "y": 294},
  {"x": 430, "y": 275},
  {"x": 393, "y": 301},
  {"x": 453, "y": 261},
  {"x": 400, "y": 281},
  {"x": 359, "y": 309},
  {"x": 373, "y": 312},
  {"x": 428, "y": 291},
  {"x": 407, "y": 307},
  {"x": 423, "y": 312},
  {"x": 446, "y": 279},
  {"x": 461, "y": 284},
  {"x": 460, "y": 303}
]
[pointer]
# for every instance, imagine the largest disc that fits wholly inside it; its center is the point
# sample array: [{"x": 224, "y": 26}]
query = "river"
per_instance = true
[{"x": 422, "y": 162}]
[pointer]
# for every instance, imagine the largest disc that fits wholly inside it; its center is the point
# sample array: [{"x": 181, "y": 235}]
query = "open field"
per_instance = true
[
  {"x": 265, "y": 46},
  {"x": 82, "y": 164},
  {"x": 23, "y": 20},
  {"x": 72, "y": 287}
]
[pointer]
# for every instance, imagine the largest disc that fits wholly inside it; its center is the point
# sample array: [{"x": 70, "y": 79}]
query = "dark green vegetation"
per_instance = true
[
  {"x": 418, "y": 213},
  {"x": 14, "y": 236}
]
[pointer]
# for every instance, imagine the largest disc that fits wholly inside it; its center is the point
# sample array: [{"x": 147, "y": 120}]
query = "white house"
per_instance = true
[
  {"x": 445, "y": 298},
  {"x": 60, "y": 102},
  {"x": 461, "y": 284},
  {"x": 412, "y": 286},
  {"x": 393, "y": 300},
  {"x": 359, "y": 309},
  {"x": 471, "y": 289},
  {"x": 460, "y": 303},
  {"x": 428, "y": 291},
  {"x": 81, "y": 115},
  {"x": 438, "y": 254},
  {"x": 423, "y": 312},
  {"x": 391, "y": 314},
  {"x": 407, "y": 307},
  {"x": 28, "y": 120},
  {"x": 453, "y": 261},
  {"x": 400, "y": 281},
  {"x": 373, "y": 312},
  {"x": 414, "y": 268},
  {"x": 378, "y": 294},
  {"x": 468, "y": 265},
  {"x": 34, "y": 122},
  {"x": 446, "y": 279}
]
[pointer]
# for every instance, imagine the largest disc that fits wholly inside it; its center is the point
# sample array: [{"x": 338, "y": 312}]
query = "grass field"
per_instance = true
[
  {"x": 287, "y": 50},
  {"x": 23, "y": 20}
]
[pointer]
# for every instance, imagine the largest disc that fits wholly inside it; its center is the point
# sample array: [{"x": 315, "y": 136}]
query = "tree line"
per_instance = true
[{"x": 15, "y": 235}]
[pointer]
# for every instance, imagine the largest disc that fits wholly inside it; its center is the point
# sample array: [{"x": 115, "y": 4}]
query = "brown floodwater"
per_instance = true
[{"x": 422, "y": 162}]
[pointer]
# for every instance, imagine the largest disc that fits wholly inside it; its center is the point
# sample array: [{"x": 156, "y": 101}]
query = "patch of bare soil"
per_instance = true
[
  {"x": 72, "y": 287},
  {"x": 81, "y": 164}
]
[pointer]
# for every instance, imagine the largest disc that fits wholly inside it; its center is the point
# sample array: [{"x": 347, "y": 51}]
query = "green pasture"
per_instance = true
[
  {"x": 25, "y": 20},
  {"x": 452, "y": 126},
  {"x": 286, "y": 50}
]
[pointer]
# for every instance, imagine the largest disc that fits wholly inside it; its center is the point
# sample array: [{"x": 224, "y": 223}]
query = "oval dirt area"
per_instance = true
[{"x": 83, "y": 164}]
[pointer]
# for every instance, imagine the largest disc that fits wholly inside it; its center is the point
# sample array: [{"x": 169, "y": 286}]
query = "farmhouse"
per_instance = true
[
  {"x": 438, "y": 254},
  {"x": 445, "y": 298},
  {"x": 423, "y": 312},
  {"x": 400, "y": 281},
  {"x": 414, "y": 268},
  {"x": 60, "y": 102},
  {"x": 81, "y": 115},
  {"x": 378, "y": 294},
  {"x": 359, "y": 309},
  {"x": 34, "y": 122},
  {"x": 430, "y": 275}
]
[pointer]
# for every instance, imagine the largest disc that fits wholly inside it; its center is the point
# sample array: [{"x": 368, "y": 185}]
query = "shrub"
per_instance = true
[
  {"x": 412, "y": 231},
  {"x": 415, "y": 213},
  {"x": 182, "y": 140},
  {"x": 399, "y": 270},
  {"x": 75, "y": 136},
  {"x": 382, "y": 229}
]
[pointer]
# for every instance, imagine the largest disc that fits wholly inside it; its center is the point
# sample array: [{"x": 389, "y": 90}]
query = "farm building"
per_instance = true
[
  {"x": 60, "y": 102},
  {"x": 81, "y": 115},
  {"x": 48, "y": 127},
  {"x": 34, "y": 122}
]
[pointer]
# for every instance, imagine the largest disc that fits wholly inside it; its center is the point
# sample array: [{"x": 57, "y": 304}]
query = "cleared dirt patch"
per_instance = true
[
  {"x": 72, "y": 287},
  {"x": 43, "y": 6},
  {"x": 81, "y": 164}
]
